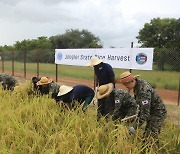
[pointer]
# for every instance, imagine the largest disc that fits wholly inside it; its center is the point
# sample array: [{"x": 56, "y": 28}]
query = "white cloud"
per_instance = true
[{"x": 116, "y": 22}]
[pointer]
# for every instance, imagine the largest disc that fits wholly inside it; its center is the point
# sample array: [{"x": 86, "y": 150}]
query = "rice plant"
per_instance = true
[{"x": 31, "y": 124}]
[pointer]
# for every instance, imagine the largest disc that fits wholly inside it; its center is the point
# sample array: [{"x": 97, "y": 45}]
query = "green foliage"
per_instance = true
[
  {"x": 160, "y": 33},
  {"x": 42, "y": 49},
  {"x": 40, "y": 43},
  {"x": 38, "y": 125},
  {"x": 75, "y": 39},
  {"x": 31, "y": 50},
  {"x": 164, "y": 36}
]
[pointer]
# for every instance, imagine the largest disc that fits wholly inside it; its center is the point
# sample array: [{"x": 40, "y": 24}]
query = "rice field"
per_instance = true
[{"x": 31, "y": 124}]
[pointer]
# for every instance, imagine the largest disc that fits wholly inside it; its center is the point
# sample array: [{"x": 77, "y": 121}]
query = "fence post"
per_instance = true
[
  {"x": 37, "y": 62},
  {"x": 56, "y": 72},
  {"x": 2, "y": 61},
  {"x": 179, "y": 93},
  {"x": 25, "y": 63},
  {"x": 130, "y": 70},
  {"x": 12, "y": 52}
]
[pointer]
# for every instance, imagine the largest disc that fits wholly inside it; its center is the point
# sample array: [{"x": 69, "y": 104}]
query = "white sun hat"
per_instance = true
[
  {"x": 64, "y": 90},
  {"x": 94, "y": 61}
]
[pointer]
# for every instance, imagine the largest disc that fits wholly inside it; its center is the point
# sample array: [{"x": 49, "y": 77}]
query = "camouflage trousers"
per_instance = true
[
  {"x": 152, "y": 130},
  {"x": 154, "y": 124},
  {"x": 8, "y": 86}
]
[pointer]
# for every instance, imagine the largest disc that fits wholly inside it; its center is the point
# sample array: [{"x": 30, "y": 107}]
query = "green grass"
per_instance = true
[
  {"x": 31, "y": 124},
  {"x": 160, "y": 79},
  {"x": 174, "y": 111}
]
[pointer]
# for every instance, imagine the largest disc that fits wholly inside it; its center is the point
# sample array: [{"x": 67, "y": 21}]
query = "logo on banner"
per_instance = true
[
  {"x": 59, "y": 56},
  {"x": 141, "y": 58}
]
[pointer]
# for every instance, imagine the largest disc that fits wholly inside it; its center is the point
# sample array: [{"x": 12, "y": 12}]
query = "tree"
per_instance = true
[
  {"x": 76, "y": 39},
  {"x": 162, "y": 33},
  {"x": 164, "y": 36},
  {"x": 7, "y": 52},
  {"x": 44, "y": 47},
  {"x": 41, "y": 43},
  {"x": 160, "y": 57}
]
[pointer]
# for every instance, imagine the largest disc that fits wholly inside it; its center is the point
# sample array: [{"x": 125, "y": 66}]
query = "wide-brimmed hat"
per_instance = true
[
  {"x": 64, "y": 90},
  {"x": 44, "y": 81},
  {"x": 127, "y": 77},
  {"x": 104, "y": 90},
  {"x": 94, "y": 61}
]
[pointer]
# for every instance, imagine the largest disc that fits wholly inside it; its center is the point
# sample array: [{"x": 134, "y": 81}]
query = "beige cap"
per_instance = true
[
  {"x": 94, "y": 61},
  {"x": 44, "y": 81},
  {"x": 127, "y": 77},
  {"x": 104, "y": 90}
]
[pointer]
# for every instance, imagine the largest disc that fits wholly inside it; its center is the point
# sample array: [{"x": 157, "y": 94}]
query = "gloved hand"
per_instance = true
[
  {"x": 131, "y": 130},
  {"x": 84, "y": 109},
  {"x": 95, "y": 98}
]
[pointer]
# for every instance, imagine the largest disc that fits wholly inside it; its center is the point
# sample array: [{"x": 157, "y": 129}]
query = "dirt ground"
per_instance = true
[{"x": 168, "y": 96}]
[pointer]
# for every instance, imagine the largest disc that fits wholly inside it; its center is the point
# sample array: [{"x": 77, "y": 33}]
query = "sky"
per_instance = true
[{"x": 115, "y": 22}]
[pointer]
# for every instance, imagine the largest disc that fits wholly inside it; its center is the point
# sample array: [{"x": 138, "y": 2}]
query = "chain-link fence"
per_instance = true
[
  {"x": 27, "y": 62},
  {"x": 167, "y": 59}
]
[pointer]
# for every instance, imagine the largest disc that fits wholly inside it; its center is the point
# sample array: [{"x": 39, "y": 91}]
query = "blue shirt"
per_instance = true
[
  {"x": 104, "y": 73},
  {"x": 79, "y": 93}
]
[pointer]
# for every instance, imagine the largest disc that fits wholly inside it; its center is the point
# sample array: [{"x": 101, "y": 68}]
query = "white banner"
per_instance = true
[{"x": 127, "y": 58}]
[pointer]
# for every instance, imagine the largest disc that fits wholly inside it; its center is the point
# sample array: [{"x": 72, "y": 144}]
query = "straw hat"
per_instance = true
[
  {"x": 127, "y": 77},
  {"x": 104, "y": 90},
  {"x": 94, "y": 61},
  {"x": 44, "y": 81},
  {"x": 64, "y": 90}
]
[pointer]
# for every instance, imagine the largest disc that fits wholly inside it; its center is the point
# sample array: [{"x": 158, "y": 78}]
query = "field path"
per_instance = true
[{"x": 169, "y": 96}]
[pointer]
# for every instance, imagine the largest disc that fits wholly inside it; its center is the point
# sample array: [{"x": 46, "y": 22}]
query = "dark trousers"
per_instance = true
[
  {"x": 105, "y": 106},
  {"x": 152, "y": 130}
]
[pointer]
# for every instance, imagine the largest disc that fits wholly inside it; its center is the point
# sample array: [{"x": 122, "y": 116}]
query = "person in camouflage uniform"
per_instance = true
[
  {"x": 8, "y": 82},
  {"x": 46, "y": 86},
  {"x": 125, "y": 104},
  {"x": 151, "y": 107}
]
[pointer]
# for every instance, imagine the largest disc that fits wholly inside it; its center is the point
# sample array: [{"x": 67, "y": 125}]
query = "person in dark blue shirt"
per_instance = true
[
  {"x": 104, "y": 75},
  {"x": 72, "y": 95}
]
